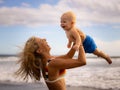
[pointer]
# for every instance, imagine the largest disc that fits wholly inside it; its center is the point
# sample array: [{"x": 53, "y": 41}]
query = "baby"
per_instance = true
[{"x": 68, "y": 20}]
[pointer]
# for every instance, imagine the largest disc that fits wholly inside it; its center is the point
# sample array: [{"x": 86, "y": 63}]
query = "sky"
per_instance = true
[{"x": 21, "y": 19}]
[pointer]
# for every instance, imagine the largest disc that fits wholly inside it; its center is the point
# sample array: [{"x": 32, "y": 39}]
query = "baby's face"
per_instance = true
[{"x": 66, "y": 24}]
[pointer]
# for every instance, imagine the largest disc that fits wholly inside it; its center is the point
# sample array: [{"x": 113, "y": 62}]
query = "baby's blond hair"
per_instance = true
[{"x": 70, "y": 15}]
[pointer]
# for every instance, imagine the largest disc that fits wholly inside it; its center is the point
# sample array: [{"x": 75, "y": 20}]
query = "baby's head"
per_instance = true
[{"x": 69, "y": 16}]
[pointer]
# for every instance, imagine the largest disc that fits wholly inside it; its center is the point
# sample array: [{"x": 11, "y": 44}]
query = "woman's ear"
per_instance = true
[{"x": 73, "y": 23}]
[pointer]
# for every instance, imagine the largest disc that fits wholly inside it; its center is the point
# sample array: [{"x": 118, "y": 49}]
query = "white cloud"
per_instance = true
[
  {"x": 27, "y": 16},
  {"x": 100, "y": 11},
  {"x": 88, "y": 12}
]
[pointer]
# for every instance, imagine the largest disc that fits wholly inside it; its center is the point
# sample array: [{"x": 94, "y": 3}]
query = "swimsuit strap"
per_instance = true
[{"x": 46, "y": 69}]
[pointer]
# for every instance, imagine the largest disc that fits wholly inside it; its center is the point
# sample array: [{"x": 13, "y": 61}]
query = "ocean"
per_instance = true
[{"x": 96, "y": 74}]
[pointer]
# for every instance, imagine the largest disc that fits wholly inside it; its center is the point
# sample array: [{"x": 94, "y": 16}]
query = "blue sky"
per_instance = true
[{"x": 21, "y": 19}]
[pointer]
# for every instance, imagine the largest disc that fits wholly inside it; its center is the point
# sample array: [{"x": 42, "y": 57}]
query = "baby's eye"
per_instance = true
[{"x": 63, "y": 21}]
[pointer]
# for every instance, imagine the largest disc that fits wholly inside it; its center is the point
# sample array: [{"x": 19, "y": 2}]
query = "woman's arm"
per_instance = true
[{"x": 68, "y": 63}]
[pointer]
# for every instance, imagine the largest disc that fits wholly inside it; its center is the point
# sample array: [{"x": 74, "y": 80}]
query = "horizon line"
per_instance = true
[{"x": 6, "y": 55}]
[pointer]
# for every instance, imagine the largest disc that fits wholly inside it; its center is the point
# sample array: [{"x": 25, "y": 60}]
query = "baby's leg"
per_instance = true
[{"x": 103, "y": 55}]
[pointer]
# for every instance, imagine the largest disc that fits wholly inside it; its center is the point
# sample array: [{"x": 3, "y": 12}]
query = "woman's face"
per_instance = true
[{"x": 43, "y": 45}]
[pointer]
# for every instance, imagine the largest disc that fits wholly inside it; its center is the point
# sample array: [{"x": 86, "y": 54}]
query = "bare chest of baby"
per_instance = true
[{"x": 70, "y": 36}]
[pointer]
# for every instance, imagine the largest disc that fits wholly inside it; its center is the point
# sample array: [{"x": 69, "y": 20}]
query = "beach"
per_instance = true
[
  {"x": 96, "y": 75},
  {"x": 37, "y": 86}
]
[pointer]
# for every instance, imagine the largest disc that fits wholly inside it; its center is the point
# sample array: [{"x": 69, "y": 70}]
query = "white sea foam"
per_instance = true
[{"x": 97, "y": 73}]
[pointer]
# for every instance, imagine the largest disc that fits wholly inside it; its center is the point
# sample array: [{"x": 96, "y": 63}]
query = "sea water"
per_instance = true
[{"x": 97, "y": 73}]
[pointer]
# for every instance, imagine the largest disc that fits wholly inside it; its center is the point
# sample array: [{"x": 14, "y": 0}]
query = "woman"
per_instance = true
[{"x": 36, "y": 60}]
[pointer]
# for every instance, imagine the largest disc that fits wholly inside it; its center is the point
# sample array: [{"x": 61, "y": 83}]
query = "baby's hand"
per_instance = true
[
  {"x": 69, "y": 45},
  {"x": 76, "y": 47}
]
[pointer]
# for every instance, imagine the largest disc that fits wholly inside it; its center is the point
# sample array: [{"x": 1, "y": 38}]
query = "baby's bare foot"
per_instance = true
[{"x": 108, "y": 59}]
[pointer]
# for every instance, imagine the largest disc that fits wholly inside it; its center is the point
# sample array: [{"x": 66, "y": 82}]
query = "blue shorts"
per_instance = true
[{"x": 89, "y": 45}]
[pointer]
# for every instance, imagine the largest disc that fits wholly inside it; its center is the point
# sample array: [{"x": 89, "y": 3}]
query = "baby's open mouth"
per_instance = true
[{"x": 63, "y": 26}]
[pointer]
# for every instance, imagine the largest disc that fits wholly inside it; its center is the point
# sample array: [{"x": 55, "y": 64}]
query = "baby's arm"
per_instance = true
[
  {"x": 77, "y": 39},
  {"x": 69, "y": 40},
  {"x": 69, "y": 43}
]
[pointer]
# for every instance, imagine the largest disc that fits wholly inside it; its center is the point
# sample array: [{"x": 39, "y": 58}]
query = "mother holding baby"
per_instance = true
[{"x": 36, "y": 61}]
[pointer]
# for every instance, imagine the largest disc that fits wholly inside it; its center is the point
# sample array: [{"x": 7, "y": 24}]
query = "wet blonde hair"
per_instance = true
[
  {"x": 70, "y": 15},
  {"x": 30, "y": 61}
]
